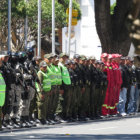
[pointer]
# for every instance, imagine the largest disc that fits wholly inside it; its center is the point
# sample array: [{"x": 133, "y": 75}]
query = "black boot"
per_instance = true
[
  {"x": 15, "y": 124},
  {"x": 7, "y": 124},
  {"x": 24, "y": 124},
  {"x": 31, "y": 121}
]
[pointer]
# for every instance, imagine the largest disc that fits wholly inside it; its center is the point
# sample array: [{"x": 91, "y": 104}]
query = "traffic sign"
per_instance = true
[
  {"x": 74, "y": 12},
  {"x": 74, "y": 16}
]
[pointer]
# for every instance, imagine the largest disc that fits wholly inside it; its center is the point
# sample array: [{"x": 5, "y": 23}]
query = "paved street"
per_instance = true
[{"x": 126, "y": 128}]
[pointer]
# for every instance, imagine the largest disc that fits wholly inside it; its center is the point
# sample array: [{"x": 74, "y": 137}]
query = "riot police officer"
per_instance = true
[
  {"x": 30, "y": 77},
  {"x": 11, "y": 79}
]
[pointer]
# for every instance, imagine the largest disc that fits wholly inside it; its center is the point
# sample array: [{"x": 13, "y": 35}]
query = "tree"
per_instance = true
[
  {"x": 133, "y": 24},
  {"x": 134, "y": 29},
  {"x": 19, "y": 11},
  {"x": 111, "y": 28}
]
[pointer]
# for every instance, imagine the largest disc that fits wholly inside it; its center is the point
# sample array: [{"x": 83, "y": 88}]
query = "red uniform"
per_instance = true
[
  {"x": 117, "y": 86},
  {"x": 108, "y": 97}
]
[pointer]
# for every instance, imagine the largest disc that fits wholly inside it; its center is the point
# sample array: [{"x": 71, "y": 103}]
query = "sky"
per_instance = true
[{"x": 112, "y": 1}]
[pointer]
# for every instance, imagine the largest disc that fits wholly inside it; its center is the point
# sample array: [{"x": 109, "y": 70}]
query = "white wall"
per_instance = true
[{"x": 85, "y": 32}]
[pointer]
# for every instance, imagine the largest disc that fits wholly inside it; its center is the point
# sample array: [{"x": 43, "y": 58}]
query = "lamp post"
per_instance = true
[
  {"x": 53, "y": 26},
  {"x": 9, "y": 25},
  {"x": 39, "y": 28},
  {"x": 69, "y": 27},
  {"x": 26, "y": 28}
]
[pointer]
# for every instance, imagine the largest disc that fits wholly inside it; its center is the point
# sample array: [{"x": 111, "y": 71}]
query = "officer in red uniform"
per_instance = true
[
  {"x": 117, "y": 81},
  {"x": 105, "y": 106},
  {"x": 111, "y": 83},
  {"x": 114, "y": 91}
]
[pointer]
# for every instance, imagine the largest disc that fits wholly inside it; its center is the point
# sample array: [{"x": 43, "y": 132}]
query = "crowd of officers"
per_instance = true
[{"x": 55, "y": 89}]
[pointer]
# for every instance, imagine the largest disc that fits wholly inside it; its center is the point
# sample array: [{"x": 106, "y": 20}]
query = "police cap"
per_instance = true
[
  {"x": 62, "y": 55},
  {"x": 67, "y": 62},
  {"x": 43, "y": 64},
  {"x": 57, "y": 59},
  {"x": 92, "y": 58},
  {"x": 47, "y": 56}
]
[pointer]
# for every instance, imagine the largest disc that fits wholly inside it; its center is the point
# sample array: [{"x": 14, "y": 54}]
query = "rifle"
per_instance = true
[{"x": 31, "y": 71}]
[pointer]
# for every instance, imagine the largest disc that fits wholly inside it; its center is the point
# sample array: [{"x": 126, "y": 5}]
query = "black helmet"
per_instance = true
[
  {"x": 14, "y": 54},
  {"x": 29, "y": 49},
  {"x": 22, "y": 54}
]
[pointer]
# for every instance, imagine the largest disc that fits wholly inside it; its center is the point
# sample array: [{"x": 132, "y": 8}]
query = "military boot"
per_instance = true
[
  {"x": 24, "y": 124},
  {"x": 7, "y": 124},
  {"x": 31, "y": 121},
  {"x": 14, "y": 123}
]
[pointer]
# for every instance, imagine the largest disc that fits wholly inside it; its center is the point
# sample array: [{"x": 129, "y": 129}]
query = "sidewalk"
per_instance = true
[{"x": 71, "y": 123}]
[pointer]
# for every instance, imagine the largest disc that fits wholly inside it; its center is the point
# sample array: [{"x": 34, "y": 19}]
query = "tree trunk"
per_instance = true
[{"x": 111, "y": 29}]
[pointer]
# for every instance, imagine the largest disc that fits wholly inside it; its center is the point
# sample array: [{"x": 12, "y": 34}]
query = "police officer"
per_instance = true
[
  {"x": 30, "y": 77},
  {"x": 11, "y": 79},
  {"x": 37, "y": 59},
  {"x": 33, "y": 106},
  {"x": 15, "y": 66},
  {"x": 43, "y": 90},
  {"x": 68, "y": 94},
  {"x": 94, "y": 77},
  {"x": 82, "y": 113},
  {"x": 50, "y": 110},
  {"x": 66, "y": 81},
  {"x": 2, "y": 88},
  {"x": 101, "y": 86},
  {"x": 57, "y": 100},
  {"x": 80, "y": 87},
  {"x": 87, "y": 87},
  {"x": 73, "y": 108}
]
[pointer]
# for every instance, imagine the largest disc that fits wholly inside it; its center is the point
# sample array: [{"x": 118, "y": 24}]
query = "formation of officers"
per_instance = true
[{"x": 56, "y": 89}]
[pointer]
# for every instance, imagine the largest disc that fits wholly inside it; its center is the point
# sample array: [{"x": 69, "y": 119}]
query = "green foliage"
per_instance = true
[
  {"x": 20, "y": 9},
  {"x": 76, "y": 6},
  {"x": 112, "y": 8}
]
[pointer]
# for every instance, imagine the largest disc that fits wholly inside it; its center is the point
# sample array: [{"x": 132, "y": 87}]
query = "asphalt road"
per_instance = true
[{"x": 113, "y": 129}]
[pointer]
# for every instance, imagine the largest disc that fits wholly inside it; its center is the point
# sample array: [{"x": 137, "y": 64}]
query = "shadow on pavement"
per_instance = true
[{"x": 72, "y": 137}]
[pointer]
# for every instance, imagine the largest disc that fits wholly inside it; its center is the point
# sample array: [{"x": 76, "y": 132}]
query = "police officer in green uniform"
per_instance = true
[
  {"x": 66, "y": 81},
  {"x": 43, "y": 90},
  {"x": 68, "y": 95},
  {"x": 56, "y": 102},
  {"x": 50, "y": 110},
  {"x": 2, "y": 87}
]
